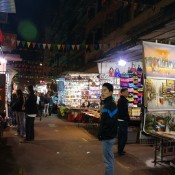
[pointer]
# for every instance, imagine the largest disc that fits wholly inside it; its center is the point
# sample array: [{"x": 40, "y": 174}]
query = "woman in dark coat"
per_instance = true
[{"x": 31, "y": 112}]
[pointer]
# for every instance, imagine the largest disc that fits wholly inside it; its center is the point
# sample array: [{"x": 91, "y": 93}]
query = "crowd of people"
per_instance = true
[
  {"x": 27, "y": 105},
  {"x": 114, "y": 118}
]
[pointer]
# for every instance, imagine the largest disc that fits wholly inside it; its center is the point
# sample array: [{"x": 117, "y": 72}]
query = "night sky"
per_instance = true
[{"x": 29, "y": 17}]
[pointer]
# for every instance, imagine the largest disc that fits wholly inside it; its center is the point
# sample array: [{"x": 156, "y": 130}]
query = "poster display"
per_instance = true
[
  {"x": 160, "y": 94},
  {"x": 159, "y": 60}
]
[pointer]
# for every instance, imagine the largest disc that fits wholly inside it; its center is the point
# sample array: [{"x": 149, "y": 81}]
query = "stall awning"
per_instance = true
[{"x": 132, "y": 49}]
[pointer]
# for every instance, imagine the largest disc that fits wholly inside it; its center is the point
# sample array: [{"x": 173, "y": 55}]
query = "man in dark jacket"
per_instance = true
[
  {"x": 31, "y": 111},
  {"x": 123, "y": 119},
  {"x": 108, "y": 127}
]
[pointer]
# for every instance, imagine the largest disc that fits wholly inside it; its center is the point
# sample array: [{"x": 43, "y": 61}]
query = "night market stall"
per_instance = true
[
  {"x": 79, "y": 95},
  {"x": 126, "y": 74}
]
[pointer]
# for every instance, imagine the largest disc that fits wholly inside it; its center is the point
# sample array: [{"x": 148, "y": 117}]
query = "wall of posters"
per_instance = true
[
  {"x": 159, "y": 60},
  {"x": 160, "y": 94}
]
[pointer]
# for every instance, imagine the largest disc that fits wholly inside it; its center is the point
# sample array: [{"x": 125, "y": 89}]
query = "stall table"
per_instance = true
[{"x": 165, "y": 143}]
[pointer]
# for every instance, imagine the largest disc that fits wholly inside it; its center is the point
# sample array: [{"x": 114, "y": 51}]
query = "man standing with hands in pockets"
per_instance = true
[{"x": 123, "y": 119}]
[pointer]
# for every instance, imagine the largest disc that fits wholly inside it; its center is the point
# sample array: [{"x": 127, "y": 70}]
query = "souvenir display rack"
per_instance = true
[
  {"x": 79, "y": 86},
  {"x": 133, "y": 82}
]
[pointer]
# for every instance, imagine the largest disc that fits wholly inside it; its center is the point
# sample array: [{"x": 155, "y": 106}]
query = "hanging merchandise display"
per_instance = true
[
  {"x": 77, "y": 88},
  {"x": 128, "y": 76}
]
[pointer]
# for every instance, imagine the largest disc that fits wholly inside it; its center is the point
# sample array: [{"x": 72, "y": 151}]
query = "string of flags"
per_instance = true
[{"x": 34, "y": 45}]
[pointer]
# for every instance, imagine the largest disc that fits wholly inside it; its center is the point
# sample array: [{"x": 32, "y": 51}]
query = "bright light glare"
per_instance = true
[
  {"x": 122, "y": 63},
  {"x": 2, "y": 60}
]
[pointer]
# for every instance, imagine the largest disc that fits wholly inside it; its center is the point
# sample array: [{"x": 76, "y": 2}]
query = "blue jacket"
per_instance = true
[{"x": 108, "y": 123}]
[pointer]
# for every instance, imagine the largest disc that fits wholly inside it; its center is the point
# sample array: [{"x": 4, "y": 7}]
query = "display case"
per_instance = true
[{"x": 81, "y": 86}]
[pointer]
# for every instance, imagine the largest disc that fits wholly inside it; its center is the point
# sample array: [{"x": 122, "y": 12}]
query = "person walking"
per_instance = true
[
  {"x": 108, "y": 127},
  {"x": 31, "y": 112},
  {"x": 46, "y": 105},
  {"x": 123, "y": 120}
]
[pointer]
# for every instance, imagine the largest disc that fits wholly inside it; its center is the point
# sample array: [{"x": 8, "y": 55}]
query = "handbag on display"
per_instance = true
[
  {"x": 133, "y": 68},
  {"x": 117, "y": 73},
  {"x": 139, "y": 69},
  {"x": 111, "y": 72},
  {"x": 129, "y": 70}
]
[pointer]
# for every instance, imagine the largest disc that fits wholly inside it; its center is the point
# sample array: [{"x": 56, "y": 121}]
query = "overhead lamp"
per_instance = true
[
  {"x": 121, "y": 62},
  {"x": 2, "y": 60}
]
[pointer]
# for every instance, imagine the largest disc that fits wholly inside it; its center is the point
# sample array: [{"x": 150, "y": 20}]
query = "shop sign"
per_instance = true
[{"x": 159, "y": 60}]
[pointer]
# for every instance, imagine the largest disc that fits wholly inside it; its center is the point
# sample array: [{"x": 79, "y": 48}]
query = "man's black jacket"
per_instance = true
[
  {"x": 108, "y": 123},
  {"x": 123, "y": 109},
  {"x": 31, "y": 106}
]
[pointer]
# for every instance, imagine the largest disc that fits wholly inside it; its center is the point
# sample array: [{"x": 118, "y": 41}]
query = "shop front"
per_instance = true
[
  {"x": 79, "y": 95},
  {"x": 126, "y": 74}
]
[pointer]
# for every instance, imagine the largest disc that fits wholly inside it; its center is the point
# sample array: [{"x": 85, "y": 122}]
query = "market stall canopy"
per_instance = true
[
  {"x": 7, "y": 6},
  {"x": 131, "y": 54},
  {"x": 132, "y": 48}
]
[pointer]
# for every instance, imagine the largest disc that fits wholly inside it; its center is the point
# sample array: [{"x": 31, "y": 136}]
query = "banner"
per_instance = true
[{"x": 159, "y": 60}]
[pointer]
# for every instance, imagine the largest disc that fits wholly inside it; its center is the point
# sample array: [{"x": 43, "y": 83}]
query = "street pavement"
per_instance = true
[{"x": 65, "y": 148}]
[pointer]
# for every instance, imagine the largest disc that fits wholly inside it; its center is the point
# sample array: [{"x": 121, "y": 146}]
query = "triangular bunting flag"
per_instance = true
[
  {"x": 23, "y": 43},
  {"x": 18, "y": 42},
  {"x": 28, "y": 44},
  {"x": 33, "y": 44},
  {"x": 78, "y": 47},
  {"x": 68, "y": 47},
  {"x": 49, "y": 46},
  {"x": 39, "y": 45},
  {"x": 44, "y": 46},
  {"x": 59, "y": 46},
  {"x": 63, "y": 46},
  {"x": 13, "y": 42},
  {"x": 73, "y": 46}
]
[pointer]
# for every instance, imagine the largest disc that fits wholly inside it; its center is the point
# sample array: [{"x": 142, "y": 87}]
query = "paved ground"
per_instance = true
[{"x": 62, "y": 148}]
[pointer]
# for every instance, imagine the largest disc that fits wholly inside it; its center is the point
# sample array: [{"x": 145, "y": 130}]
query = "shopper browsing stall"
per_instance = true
[
  {"x": 123, "y": 119},
  {"x": 108, "y": 127}
]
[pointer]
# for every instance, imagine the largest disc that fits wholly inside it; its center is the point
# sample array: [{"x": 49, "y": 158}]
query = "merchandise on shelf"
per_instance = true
[{"x": 78, "y": 87}]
